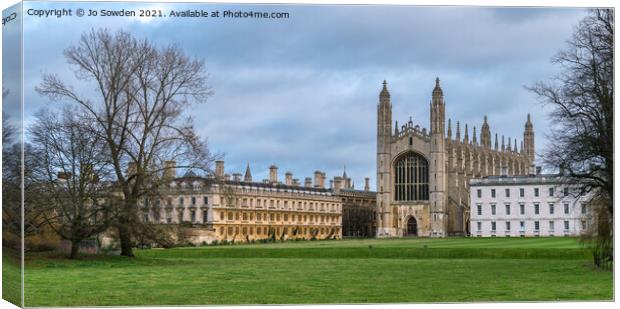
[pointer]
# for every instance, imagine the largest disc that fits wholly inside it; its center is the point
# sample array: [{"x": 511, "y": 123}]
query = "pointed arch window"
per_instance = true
[{"x": 411, "y": 178}]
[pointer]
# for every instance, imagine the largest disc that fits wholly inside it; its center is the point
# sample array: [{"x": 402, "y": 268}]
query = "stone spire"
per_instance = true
[
  {"x": 503, "y": 144},
  {"x": 458, "y": 131},
  {"x": 485, "y": 134},
  {"x": 396, "y": 128},
  {"x": 521, "y": 147},
  {"x": 509, "y": 148},
  {"x": 385, "y": 94},
  {"x": 449, "y": 129},
  {"x": 515, "y": 149},
  {"x": 496, "y": 144},
  {"x": 528, "y": 139},
  {"x": 466, "y": 137},
  {"x": 248, "y": 175},
  {"x": 438, "y": 112},
  {"x": 474, "y": 139},
  {"x": 528, "y": 123},
  {"x": 384, "y": 123},
  {"x": 437, "y": 90}
]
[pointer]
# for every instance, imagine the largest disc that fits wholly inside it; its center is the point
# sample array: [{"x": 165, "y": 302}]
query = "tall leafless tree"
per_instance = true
[
  {"x": 581, "y": 98},
  {"x": 73, "y": 176},
  {"x": 143, "y": 93}
]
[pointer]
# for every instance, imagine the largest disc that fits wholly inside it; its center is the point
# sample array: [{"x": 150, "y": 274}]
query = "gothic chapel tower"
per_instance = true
[
  {"x": 384, "y": 131},
  {"x": 414, "y": 195},
  {"x": 437, "y": 169}
]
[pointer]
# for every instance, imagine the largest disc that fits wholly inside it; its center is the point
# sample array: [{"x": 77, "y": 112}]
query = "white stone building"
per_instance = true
[{"x": 528, "y": 206}]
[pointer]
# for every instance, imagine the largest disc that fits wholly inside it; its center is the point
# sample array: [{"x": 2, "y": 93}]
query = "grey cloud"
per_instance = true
[{"x": 302, "y": 93}]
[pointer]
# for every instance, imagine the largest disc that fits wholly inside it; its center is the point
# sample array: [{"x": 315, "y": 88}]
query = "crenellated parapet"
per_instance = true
[
  {"x": 482, "y": 159},
  {"x": 409, "y": 129}
]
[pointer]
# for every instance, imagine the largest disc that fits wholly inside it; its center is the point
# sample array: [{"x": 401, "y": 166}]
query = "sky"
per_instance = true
[{"x": 302, "y": 92}]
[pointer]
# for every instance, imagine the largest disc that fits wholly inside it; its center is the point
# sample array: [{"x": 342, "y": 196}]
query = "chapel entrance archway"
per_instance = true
[{"x": 412, "y": 227}]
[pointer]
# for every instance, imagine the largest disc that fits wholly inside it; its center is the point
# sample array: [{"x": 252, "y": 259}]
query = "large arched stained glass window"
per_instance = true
[{"x": 411, "y": 178}]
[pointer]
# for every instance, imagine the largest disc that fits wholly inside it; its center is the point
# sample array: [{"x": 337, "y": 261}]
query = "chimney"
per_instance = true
[
  {"x": 288, "y": 179},
  {"x": 273, "y": 174},
  {"x": 88, "y": 173},
  {"x": 227, "y": 177},
  {"x": 296, "y": 182},
  {"x": 308, "y": 182},
  {"x": 64, "y": 175},
  {"x": 538, "y": 170},
  {"x": 331, "y": 183},
  {"x": 318, "y": 180},
  {"x": 219, "y": 169},
  {"x": 237, "y": 176},
  {"x": 337, "y": 184},
  {"x": 131, "y": 169},
  {"x": 170, "y": 171},
  {"x": 366, "y": 184},
  {"x": 532, "y": 170},
  {"x": 504, "y": 171}
]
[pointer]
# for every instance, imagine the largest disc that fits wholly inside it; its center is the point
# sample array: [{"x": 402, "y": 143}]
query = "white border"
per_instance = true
[{"x": 510, "y": 3}]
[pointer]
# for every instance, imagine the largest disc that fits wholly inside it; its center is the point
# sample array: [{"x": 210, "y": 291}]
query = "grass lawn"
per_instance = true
[
  {"x": 349, "y": 271},
  {"x": 11, "y": 276}
]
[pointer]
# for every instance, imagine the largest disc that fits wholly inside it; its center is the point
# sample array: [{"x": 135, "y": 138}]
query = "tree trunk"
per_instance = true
[
  {"x": 124, "y": 235},
  {"x": 75, "y": 248}
]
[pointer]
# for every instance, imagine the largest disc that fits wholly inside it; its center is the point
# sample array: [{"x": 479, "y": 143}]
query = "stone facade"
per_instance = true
[
  {"x": 221, "y": 208},
  {"x": 422, "y": 175}
]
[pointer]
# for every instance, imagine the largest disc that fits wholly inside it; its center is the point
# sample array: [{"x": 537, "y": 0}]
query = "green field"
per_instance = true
[
  {"x": 349, "y": 271},
  {"x": 11, "y": 276}
]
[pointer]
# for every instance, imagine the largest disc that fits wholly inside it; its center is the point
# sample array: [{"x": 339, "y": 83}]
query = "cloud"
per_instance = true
[{"x": 302, "y": 92}]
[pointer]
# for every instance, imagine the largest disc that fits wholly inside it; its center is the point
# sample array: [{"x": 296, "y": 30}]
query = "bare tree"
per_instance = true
[
  {"x": 142, "y": 94},
  {"x": 12, "y": 182},
  {"x": 8, "y": 130},
  {"x": 72, "y": 175},
  {"x": 582, "y": 97}
]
